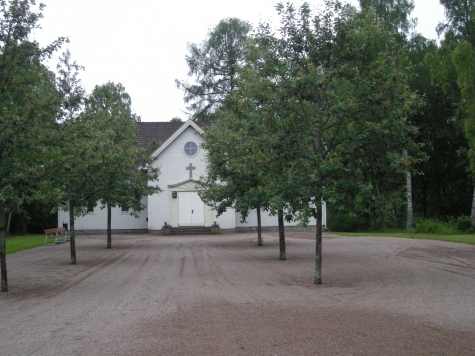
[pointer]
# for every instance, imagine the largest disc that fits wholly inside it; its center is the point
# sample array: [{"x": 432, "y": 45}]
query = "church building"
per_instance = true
[{"x": 182, "y": 162}]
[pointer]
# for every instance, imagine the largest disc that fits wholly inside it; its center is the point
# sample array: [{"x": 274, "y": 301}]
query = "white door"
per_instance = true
[{"x": 191, "y": 209}]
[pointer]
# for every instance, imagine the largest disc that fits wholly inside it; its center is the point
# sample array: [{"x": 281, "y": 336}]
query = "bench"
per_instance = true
[{"x": 58, "y": 234}]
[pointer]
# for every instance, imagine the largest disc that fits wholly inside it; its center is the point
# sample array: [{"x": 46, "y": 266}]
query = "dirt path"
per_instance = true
[{"x": 223, "y": 295}]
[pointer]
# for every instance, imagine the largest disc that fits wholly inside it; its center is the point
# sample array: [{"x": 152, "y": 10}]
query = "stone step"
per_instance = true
[{"x": 191, "y": 230}]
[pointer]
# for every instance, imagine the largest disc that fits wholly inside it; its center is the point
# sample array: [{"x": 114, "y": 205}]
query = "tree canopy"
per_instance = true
[
  {"x": 124, "y": 173},
  {"x": 28, "y": 101},
  {"x": 313, "y": 100},
  {"x": 213, "y": 64}
]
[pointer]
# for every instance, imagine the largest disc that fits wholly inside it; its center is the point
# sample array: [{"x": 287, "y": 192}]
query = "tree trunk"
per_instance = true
[
  {"x": 9, "y": 222},
  {"x": 109, "y": 226},
  {"x": 410, "y": 208},
  {"x": 3, "y": 248},
  {"x": 259, "y": 226},
  {"x": 318, "y": 247},
  {"x": 472, "y": 214},
  {"x": 72, "y": 234},
  {"x": 280, "y": 217}
]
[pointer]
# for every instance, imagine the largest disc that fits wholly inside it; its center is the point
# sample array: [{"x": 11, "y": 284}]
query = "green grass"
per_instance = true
[
  {"x": 23, "y": 242},
  {"x": 465, "y": 238}
]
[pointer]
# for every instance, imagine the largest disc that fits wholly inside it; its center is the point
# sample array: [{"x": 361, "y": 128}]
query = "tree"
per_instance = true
[
  {"x": 27, "y": 106},
  {"x": 327, "y": 86},
  {"x": 125, "y": 170},
  {"x": 176, "y": 119},
  {"x": 393, "y": 15},
  {"x": 72, "y": 161},
  {"x": 230, "y": 181},
  {"x": 214, "y": 65},
  {"x": 442, "y": 188},
  {"x": 459, "y": 41}
]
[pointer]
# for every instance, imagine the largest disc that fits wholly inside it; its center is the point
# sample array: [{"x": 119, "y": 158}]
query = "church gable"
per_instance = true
[{"x": 181, "y": 162}]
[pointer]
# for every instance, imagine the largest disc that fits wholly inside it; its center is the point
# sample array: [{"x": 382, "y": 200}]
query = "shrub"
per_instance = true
[
  {"x": 427, "y": 226},
  {"x": 430, "y": 226},
  {"x": 347, "y": 223},
  {"x": 464, "y": 224}
]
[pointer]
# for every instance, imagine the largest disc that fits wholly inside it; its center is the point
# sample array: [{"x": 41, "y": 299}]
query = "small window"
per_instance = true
[
  {"x": 124, "y": 209},
  {"x": 191, "y": 149}
]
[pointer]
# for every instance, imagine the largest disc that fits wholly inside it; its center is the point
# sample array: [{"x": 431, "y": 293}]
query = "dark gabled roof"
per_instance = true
[
  {"x": 155, "y": 131},
  {"x": 159, "y": 131}
]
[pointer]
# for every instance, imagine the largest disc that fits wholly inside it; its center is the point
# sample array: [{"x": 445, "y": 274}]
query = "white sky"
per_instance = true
[{"x": 142, "y": 43}]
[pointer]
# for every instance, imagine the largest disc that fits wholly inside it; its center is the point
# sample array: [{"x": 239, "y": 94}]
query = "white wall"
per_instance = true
[
  {"x": 97, "y": 220},
  {"x": 268, "y": 220}
]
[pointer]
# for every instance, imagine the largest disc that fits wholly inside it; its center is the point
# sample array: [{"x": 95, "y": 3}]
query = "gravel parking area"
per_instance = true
[{"x": 224, "y": 295}]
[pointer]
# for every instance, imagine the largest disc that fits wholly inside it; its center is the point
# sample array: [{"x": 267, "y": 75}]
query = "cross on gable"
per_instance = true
[{"x": 190, "y": 168}]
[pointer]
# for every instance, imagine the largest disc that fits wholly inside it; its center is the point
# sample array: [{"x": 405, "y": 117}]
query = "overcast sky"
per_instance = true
[{"x": 142, "y": 43}]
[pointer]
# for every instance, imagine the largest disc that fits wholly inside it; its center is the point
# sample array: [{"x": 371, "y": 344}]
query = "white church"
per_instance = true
[{"x": 182, "y": 162}]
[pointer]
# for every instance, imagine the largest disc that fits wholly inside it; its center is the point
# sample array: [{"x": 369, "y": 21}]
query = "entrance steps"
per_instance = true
[{"x": 191, "y": 230}]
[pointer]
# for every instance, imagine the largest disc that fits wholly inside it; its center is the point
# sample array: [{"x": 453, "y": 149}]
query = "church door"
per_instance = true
[{"x": 191, "y": 209}]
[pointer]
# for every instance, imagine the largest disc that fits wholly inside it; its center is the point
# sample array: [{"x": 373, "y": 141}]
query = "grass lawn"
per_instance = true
[
  {"x": 23, "y": 242},
  {"x": 468, "y": 239}
]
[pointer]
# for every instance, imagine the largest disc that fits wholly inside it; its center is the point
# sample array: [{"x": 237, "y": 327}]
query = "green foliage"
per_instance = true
[
  {"x": 464, "y": 224},
  {"x": 214, "y": 64},
  {"x": 330, "y": 111},
  {"x": 33, "y": 218},
  {"x": 123, "y": 171},
  {"x": 430, "y": 226},
  {"x": 464, "y": 61},
  {"x": 394, "y": 13},
  {"x": 28, "y": 102},
  {"x": 443, "y": 187},
  {"x": 73, "y": 160},
  {"x": 458, "y": 48},
  {"x": 460, "y": 21},
  {"x": 176, "y": 119},
  {"x": 318, "y": 106},
  {"x": 347, "y": 223}
]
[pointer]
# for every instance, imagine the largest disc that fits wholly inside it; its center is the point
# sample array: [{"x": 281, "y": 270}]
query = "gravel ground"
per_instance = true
[{"x": 223, "y": 295}]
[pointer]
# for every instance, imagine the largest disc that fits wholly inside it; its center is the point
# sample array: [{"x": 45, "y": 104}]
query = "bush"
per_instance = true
[
  {"x": 427, "y": 226},
  {"x": 347, "y": 223},
  {"x": 464, "y": 224},
  {"x": 430, "y": 226}
]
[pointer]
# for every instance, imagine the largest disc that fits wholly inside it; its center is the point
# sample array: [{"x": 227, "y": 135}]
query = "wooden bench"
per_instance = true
[{"x": 58, "y": 234}]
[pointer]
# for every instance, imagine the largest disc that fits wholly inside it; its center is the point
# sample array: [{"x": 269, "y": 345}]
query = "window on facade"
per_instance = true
[
  {"x": 190, "y": 149},
  {"x": 125, "y": 209}
]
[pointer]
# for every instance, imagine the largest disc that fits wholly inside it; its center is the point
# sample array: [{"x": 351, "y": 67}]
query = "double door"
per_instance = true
[{"x": 191, "y": 209}]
